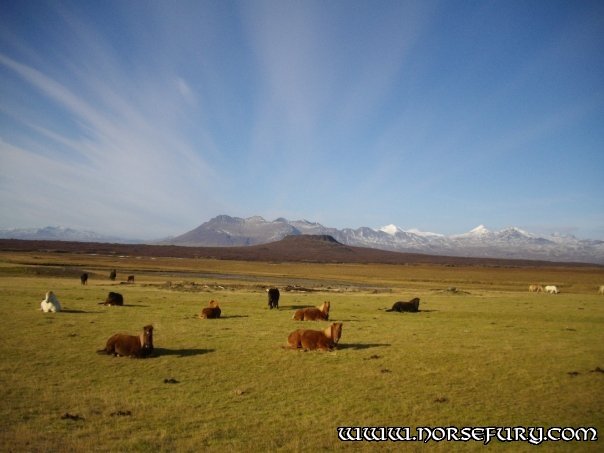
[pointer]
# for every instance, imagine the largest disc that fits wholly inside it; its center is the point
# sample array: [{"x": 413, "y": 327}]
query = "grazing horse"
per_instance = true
[
  {"x": 130, "y": 345},
  {"x": 273, "y": 298},
  {"x": 411, "y": 306},
  {"x": 316, "y": 339},
  {"x": 114, "y": 299},
  {"x": 130, "y": 278},
  {"x": 212, "y": 311},
  {"x": 313, "y": 313},
  {"x": 535, "y": 289},
  {"x": 84, "y": 278},
  {"x": 50, "y": 303},
  {"x": 112, "y": 275},
  {"x": 551, "y": 289}
]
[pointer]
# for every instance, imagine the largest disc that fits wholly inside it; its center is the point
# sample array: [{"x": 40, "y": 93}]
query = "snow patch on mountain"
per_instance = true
[{"x": 391, "y": 229}]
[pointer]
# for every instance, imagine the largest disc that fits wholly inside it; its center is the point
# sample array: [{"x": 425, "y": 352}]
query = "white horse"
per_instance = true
[
  {"x": 51, "y": 303},
  {"x": 551, "y": 289}
]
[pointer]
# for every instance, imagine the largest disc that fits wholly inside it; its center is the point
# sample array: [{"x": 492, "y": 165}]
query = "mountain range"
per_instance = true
[
  {"x": 227, "y": 231},
  {"x": 509, "y": 243},
  {"x": 59, "y": 233}
]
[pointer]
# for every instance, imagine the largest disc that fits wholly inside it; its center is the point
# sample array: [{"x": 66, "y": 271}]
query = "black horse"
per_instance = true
[
  {"x": 273, "y": 298},
  {"x": 412, "y": 306},
  {"x": 114, "y": 299}
]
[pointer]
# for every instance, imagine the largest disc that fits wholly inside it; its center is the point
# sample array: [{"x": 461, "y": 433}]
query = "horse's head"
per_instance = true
[
  {"x": 148, "y": 337},
  {"x": 336, "y": 332},
  {"x": 213, "y": 304},
  {"x": 325, "y": 306}
]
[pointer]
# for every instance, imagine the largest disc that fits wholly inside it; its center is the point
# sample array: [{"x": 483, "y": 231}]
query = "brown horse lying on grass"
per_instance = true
[
  {"x": 212, "y": 311},
  {"x": 313, "y": 313},
  {"x": 316, "y": 339},
  {"x": 130, "y": 345}
]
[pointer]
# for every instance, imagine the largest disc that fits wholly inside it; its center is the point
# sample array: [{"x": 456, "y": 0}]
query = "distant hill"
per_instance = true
[
  {"x": 512, "y": 243},
  {"x": 58, "y": 233}
]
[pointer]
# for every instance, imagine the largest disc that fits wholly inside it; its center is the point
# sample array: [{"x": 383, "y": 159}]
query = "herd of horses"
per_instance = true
[
  {"x": 112, "y": 277},
  {"x": 549, "y": 289},
  {"x": 141, "y": 346}
]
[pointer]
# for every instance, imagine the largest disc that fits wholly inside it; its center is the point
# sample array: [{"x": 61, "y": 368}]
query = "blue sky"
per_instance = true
[{"x": 146, "y": 118}]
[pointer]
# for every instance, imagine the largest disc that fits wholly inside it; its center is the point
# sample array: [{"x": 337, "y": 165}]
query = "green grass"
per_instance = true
[{"x": 493, "y": 356}]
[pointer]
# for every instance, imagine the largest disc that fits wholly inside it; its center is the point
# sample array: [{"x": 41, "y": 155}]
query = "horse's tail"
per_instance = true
[
  {"x": 389, "y": 309},
  {"x": 103, "y": 351}
]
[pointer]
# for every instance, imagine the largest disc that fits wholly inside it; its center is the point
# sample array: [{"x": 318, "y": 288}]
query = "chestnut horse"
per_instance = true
[
  {"x": 316, "y": 339},
  {"x": 212, "y": 311},
  {"x": 130, "y": 345},
  {"x": 313, "y": 313}
]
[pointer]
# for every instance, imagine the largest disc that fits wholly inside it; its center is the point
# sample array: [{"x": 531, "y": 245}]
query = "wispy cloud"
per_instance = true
[{"x": 126, "y": 157}]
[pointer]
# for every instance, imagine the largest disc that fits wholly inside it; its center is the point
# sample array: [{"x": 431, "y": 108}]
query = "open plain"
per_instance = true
[{"x": 482, "y": 351}]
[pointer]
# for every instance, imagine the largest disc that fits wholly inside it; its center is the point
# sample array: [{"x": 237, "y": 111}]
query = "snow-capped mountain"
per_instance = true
[{"x": 480, "y": 242}]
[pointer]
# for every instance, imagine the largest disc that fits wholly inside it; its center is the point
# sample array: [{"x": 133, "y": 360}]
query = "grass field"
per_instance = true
[{"x": 487, "y": 354}]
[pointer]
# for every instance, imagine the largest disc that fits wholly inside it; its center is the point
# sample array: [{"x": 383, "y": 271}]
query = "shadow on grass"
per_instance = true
[
  {"x": 67, "y": 310},
  {"x": 360, "y": 346},
  {"x": 158, "y": 352},
  {"x": 295, "y": 307},
  {"x": 388, "y": 310},
  {"x": 233, "y": 316},
  {"x": 102, "y": 304}
]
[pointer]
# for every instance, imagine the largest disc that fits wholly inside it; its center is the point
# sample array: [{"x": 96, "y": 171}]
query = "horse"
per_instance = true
[
  {"x": 112, "y": 275},
  {"x": 316, "y": 339},
  {"x": 601, "y": 290},
  {"x": 552, "y": 289},
  {"x": 84, "y": 278},
  {"x": 130, "y": 345},
  {"x": 535, "y": 289},
  {"x": 114, "y": 299},
  {"x": 313, "y": 313},
  {"x": 130, "y": 278},
  {"x": 50, "y": 303},
  {"x": 273, "y": 298},
  {"x": 212, "y": 311},
  {"x": 411, "y": 306}
]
